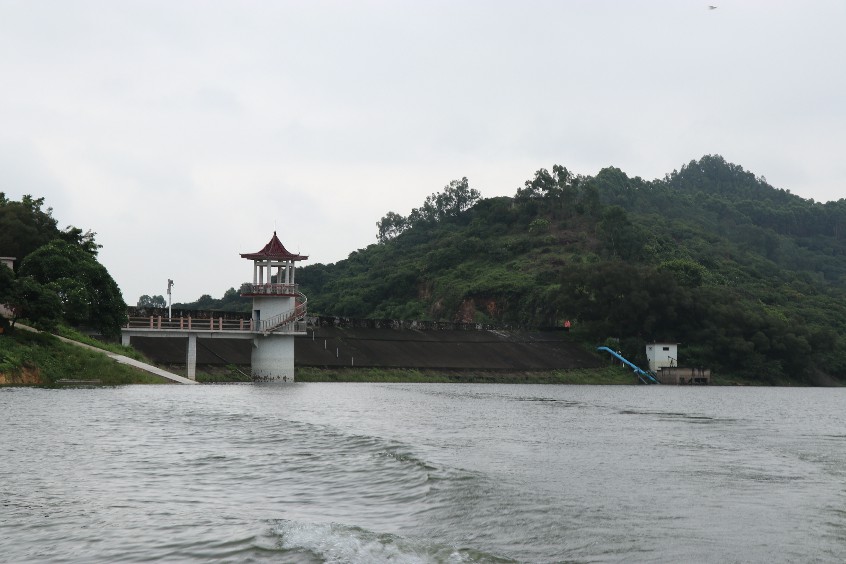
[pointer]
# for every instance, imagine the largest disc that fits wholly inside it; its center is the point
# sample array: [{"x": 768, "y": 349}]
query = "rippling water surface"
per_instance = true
[{"x": 422, "y": 473}]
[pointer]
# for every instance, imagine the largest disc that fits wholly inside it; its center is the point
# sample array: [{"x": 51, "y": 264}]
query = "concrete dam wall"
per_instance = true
[
  {"x": 444, "y": 349},
  {"x": 336, "y": 345}
]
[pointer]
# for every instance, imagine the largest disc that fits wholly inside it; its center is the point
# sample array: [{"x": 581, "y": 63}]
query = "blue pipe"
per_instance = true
[{"x": 642, "y": 374}]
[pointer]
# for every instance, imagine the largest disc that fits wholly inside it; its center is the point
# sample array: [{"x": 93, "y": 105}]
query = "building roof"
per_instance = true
[{"x": 273, "y": 250}]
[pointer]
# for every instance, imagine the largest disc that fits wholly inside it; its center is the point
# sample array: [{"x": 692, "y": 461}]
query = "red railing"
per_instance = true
[
  {"x": 278, "y": 323},
  {"x": 285, "y": 318},
  {"x": 189, "y": 323}
]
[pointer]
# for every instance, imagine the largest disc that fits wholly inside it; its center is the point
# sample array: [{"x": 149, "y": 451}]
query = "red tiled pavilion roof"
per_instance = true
[{"x": 273, "y": 250}]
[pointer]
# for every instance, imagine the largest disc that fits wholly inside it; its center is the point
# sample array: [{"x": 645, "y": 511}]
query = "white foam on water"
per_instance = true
[{"x": 336, "y": 543}]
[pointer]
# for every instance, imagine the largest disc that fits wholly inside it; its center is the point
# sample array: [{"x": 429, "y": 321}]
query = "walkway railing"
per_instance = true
[
  {"x": 286, "y": 321},
  {"x": 248, "y": 289},
  {"x": 286, "y": 318},
  {"x": 189, "y": 323}
]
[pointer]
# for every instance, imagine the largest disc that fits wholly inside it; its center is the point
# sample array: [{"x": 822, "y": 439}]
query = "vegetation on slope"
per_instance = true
[
  {"x": 42, "y": 359},
  {"x": 749, "y": 278}
]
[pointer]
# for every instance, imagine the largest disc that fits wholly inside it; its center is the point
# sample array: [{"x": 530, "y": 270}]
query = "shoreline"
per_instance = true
[
  {"x": 599, "y": 376},
  {"x": 609, "y": 375},
  {"x": 605, "y": 376}
]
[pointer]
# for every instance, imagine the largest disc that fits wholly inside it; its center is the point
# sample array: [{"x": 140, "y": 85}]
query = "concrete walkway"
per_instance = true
[
  {"x": 122, "y": 359},
  {"x": 149, "y": 368}
]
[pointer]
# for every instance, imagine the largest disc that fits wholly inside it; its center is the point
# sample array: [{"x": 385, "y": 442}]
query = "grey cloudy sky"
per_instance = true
[{"x": 185, "y": 132}]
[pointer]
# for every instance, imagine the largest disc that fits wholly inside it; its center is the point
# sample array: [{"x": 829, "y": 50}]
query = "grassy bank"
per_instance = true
[
  {"x": 28, "y": 358},
  {"x": 74, "y": 335}
]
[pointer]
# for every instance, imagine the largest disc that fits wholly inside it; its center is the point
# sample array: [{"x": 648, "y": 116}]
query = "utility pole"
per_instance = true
[{"x": 169, "y": 286}]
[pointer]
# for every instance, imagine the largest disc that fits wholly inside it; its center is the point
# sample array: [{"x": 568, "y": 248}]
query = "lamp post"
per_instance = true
[{"x": 169, "y": 286}]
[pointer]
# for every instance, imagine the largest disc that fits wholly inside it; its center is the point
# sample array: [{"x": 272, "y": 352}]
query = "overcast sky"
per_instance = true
[{"x": 185, "y": 132}]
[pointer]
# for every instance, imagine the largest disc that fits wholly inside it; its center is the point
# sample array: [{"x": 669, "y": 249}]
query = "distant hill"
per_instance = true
[{"x": 749, "y": 278}]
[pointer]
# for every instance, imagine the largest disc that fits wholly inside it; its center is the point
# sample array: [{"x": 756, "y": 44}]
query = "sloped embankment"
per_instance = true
[
  {"x": 336, "y": 347},
  {"x": 452, "y": 350}
]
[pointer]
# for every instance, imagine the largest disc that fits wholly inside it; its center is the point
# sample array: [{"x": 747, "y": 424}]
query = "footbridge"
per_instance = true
[{"x": 208, "y": 326}]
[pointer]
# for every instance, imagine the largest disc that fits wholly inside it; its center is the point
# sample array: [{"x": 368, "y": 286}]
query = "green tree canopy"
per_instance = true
[
  {"x": 88, "y": 294},
  {"x": 456, "y": 198},
  {"x": 33, "y": 301},
  {"x": 390, "y": 226},
  {"x": 25, "y": 226}
]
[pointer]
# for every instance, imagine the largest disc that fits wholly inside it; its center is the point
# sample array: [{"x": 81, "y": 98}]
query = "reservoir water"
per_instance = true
[{"x": 422, "y": 473}]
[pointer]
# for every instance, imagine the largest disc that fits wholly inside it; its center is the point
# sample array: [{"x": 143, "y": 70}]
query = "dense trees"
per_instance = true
[
  {"x": 456, "y": 197},
  {"x": 58, "y": 278},
  {"x": 720, "y": 327},
  {"x": 390, "y": 226},
  {"x": 88, "y": 294},
  {"x": 231, "y": 301},
  {"x": 33, "y": 301},
  {"x": 25, "y": 226},
  {"x": 151, "y": 301}
]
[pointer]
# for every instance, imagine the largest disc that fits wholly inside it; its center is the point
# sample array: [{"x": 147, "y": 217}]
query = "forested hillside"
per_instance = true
[{"x": 750, "y": 279}]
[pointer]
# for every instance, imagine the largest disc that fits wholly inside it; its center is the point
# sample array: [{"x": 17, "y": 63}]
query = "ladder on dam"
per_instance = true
[{"x": 644, "y": 376}]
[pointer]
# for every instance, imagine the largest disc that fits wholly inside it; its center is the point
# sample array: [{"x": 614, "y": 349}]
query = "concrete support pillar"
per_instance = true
[
  {"x": 273, "y": 358},
  {"x": 191, "y": 357},
  {"x": 124, "y": 339}
]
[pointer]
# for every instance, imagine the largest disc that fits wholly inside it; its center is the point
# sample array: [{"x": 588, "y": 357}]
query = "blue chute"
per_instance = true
[{"x": 642, "y": 375}]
